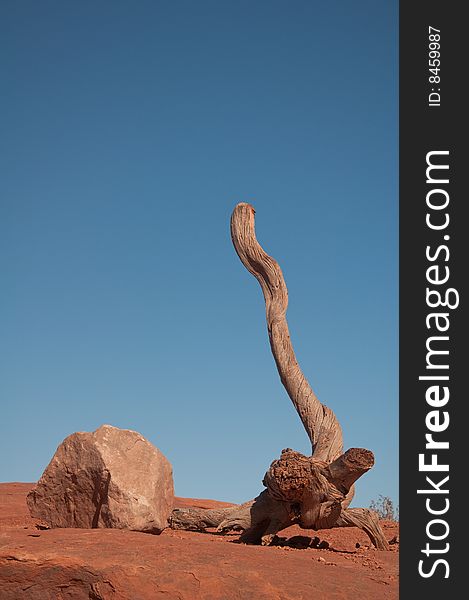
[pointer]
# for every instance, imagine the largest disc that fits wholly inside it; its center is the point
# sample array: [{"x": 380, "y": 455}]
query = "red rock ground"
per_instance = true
[{"x": 106, "y": 564}]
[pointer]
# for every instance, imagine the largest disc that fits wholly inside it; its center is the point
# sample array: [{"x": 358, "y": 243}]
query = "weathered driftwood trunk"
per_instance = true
[{"x": 312, "y": 491}]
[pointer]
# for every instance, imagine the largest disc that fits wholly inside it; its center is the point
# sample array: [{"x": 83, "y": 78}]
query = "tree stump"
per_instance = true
[{"x": 312, "y": 491}]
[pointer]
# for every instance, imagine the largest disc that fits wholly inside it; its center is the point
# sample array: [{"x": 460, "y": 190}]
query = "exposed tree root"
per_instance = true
[{"x": 311, "y": 498}]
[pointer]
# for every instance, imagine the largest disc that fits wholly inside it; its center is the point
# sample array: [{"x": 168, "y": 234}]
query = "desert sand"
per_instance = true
[{"x": 108, "y": 564}]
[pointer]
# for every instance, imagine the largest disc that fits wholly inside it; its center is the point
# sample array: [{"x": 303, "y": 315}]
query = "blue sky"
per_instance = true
[{"x": 129, "y": 132}]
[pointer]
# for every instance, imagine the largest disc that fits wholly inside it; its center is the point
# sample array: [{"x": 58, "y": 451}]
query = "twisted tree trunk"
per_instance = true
[
  {"x": 320, "y": 422},
  {"x": 312, "y": 491}
]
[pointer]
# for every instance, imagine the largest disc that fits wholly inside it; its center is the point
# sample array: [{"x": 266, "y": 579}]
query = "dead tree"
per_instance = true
[{"x": 312, "y": 491}]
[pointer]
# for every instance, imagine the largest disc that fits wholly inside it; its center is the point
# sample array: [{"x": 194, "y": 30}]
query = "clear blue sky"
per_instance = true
[{"x": 129, "y": 132}]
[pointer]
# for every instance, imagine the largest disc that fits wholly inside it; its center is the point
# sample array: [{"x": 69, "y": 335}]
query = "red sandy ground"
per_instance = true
[{"x": 108, "y": 564}]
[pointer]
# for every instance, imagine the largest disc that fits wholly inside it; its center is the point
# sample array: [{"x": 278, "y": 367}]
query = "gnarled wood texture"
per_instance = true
[
  {"x": 319, "y": 421},
  {"x": 313, "y": 491}
]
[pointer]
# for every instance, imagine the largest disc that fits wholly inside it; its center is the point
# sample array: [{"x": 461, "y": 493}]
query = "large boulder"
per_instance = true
[{"x": 109, "y": 478}]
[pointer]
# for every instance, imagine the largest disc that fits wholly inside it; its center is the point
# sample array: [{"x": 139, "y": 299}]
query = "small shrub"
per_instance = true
[{"x": 385, "y": 508}]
